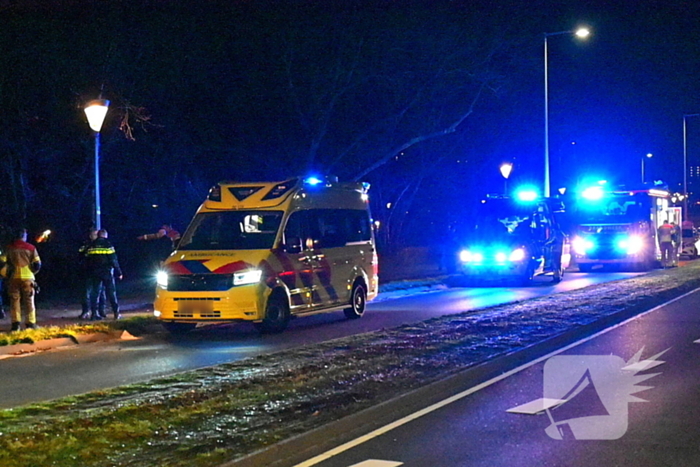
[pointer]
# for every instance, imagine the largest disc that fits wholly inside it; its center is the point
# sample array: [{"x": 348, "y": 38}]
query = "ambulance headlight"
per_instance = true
[
  {"x": 247, "y": 277},
  {"x": 162, "y": 279}
]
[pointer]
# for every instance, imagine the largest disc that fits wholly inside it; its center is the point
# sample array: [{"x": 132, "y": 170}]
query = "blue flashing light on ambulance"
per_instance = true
[{"x": 618, "y": 226}]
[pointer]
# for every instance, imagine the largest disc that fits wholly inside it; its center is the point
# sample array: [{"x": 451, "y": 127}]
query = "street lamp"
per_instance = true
[
  {"x": 506, "y": 168},
  {"x": 685, "y": 164},
  {"x": 96, "y": 110},
  {"x": 581, "y": 33},
  {"x": 648, "y": 156}
]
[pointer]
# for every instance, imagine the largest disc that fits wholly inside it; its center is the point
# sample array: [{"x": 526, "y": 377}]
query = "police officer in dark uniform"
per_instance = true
[
  {"x": 102, "y": 266},
  {"x": 83, "y": 267}
]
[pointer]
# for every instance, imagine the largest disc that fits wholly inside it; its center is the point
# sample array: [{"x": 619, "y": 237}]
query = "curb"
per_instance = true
[{"x": 17, "y": 350}]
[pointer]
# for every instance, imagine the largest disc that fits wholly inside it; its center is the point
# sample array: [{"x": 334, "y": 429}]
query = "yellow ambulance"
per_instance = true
[{"x": 269, "y": 251}]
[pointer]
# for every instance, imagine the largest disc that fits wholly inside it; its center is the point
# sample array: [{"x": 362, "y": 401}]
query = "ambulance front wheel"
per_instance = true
[
  {"x": 358, "y": 302},
  {"x": 276, "y": 315}
]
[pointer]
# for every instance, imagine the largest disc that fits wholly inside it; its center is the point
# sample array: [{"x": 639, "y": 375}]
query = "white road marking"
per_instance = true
[
  {"x": 438, "y": 405},
  {"x": 377, "y": 463}
]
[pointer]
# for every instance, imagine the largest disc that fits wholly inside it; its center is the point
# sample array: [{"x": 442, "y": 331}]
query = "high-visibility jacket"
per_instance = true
[
  {"x": 101, "y": 256},
  {"x": 22, "y": 260},
  {"x": 666, "y": 232}
]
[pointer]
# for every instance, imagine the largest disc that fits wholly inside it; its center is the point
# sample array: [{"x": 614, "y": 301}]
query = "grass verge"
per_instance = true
[
  {"x": 209, "y": 416},
  {"x": 137, "y": 325}
]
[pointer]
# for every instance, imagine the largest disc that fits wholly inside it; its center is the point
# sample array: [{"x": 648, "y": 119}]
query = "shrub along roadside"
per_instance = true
[{"x": 206, "y": 417}]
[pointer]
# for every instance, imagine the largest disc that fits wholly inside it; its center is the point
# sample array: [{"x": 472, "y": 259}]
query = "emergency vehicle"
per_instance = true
[
  {"x": 515, "y": 239},
  {"x": 265, "y": 252},
  {"x": 619, "y": 226}
]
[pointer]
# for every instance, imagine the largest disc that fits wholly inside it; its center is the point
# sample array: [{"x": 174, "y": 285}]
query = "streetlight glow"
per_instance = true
[
  {"x": 582, "y": 33},
  {"x": 96, "y": 111},
  {"x": 506, "y": 168}
]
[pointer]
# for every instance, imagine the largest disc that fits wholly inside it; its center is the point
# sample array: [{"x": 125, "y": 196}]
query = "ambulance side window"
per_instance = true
[
  {"x": 327, "y": 228},
  {"x": 294, "y": 232},
  {"x": 358, "y": 226}
]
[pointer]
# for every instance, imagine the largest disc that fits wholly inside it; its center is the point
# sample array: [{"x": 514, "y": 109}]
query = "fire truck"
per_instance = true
[{"x": 618, "y": 227}]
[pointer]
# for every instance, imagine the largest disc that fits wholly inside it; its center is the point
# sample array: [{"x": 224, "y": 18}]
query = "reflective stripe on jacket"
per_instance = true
[
  {"x": 100, "y": 255},
  {"x": 22, "y": 260},
  {"x": 666, "y": 233}
]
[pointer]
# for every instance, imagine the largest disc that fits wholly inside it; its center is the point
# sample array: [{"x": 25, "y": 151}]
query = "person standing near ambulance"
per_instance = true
[
  {"x": 102, "y": 266},
  {"x": 167, "y": 239},
  {"x": 23, "y": 263},
  {"x": 665, "y": 233}
]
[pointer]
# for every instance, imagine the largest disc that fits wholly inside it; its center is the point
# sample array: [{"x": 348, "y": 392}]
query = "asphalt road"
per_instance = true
[
  {"x": 75, "y": 370},
  {"x": 594, "y": 420}
]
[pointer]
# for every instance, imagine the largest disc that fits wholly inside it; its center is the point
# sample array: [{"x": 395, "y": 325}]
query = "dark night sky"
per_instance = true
[{"x": 211, "y": 75}]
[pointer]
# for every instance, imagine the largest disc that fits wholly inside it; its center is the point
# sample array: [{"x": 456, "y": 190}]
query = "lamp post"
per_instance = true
[
  {"x": 96, "y": 110},
  {"x": 685, "y": 163},
  {"x": 648, "y": 156},
  {"x": 506, "y": 168},
  {"x": 581, "y": 33}
]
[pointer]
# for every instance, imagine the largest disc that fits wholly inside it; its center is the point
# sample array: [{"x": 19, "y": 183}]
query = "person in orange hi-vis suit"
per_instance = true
[{"x": 23, "y": 263}]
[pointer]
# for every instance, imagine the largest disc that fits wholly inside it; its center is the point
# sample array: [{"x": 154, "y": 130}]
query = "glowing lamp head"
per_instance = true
[
  {"x": 582, "y": 33},
  {"x": 95, "y": 111}
]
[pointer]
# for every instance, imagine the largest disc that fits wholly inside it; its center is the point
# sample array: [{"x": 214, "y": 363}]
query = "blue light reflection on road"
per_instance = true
[{"x": 460, "y": 299}]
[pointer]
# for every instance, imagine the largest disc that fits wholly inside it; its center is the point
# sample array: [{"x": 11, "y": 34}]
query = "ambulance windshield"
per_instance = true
[{"x": 232, "y": 230}]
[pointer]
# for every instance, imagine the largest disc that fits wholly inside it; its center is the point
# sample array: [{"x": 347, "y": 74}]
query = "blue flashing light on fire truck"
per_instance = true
[{"x": 618, "y": 227}]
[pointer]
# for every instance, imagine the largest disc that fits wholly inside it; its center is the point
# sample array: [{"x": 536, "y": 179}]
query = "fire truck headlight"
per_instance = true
[
  {"x": 468, "y": 256},
  {"x": 582, "y": 245},
  {"x": 247, "y": 277},
  {"x": 631, "y": 245},
  {"x": 162, "y": 279},
  {"x": 517, "y": 255}
]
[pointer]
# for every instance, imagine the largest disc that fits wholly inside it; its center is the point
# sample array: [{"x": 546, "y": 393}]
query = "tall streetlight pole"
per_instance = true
[
  {"x": 685, "y": 164},
  {"x": 581, "y": 33},
  {"x": 648, "y": 156},
  {"x": 96, "y": 110},
  {"x": 506, "y": 168}
]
